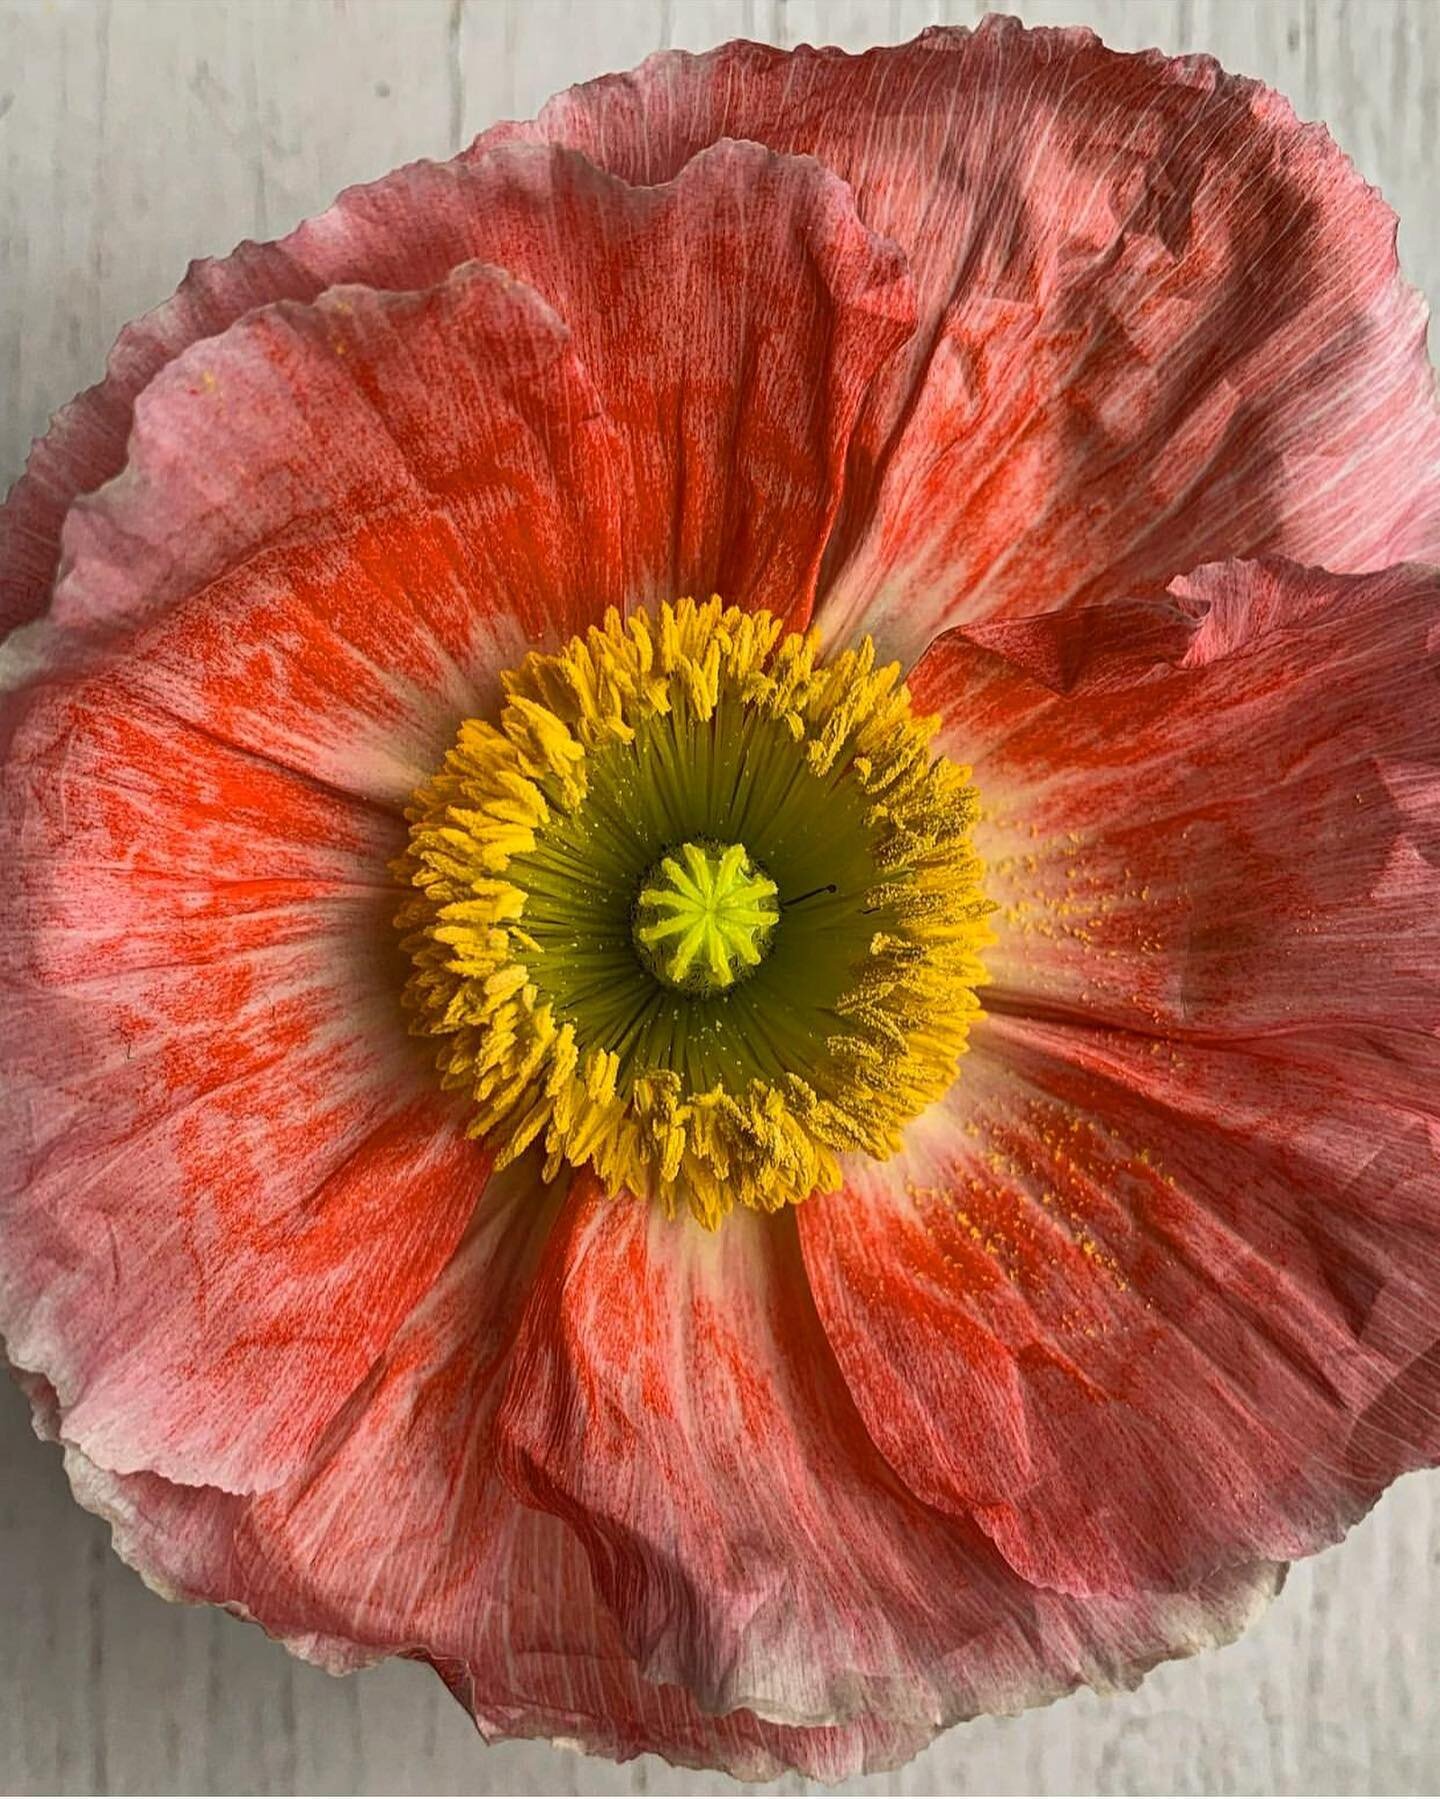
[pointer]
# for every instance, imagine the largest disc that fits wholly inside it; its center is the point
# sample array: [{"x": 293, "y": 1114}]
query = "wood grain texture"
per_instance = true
[{"x": 137, "y": 133}]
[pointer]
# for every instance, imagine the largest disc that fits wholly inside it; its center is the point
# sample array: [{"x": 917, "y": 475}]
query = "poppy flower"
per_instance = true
[{"x": 748, "y": 1176}]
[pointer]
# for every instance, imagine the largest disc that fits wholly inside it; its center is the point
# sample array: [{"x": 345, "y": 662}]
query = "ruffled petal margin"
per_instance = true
[
  {"x": 1160, "y": 321},
  {"x": 401, "y": 1538},
  {"x": 729, "y": 325},
  {"x": 671, "y": 1397}
]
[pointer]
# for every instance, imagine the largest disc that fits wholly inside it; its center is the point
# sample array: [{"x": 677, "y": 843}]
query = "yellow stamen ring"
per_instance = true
[{"x": 700, "y": 910}]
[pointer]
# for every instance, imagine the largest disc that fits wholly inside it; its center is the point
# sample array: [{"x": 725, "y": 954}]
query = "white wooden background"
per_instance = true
[{"x": 135, "y": 134}]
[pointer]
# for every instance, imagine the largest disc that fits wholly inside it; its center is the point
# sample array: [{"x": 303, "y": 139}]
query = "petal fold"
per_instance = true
[
  {"x": 1157, "y": 1287},
  {"x": 729, "y": 324},
  {"x": 1160, "y": 321},
  {"x": 672, "y": 1399},
  {"x": 1217, "y": 813},
  {"x": 338, "y": 521},
  {"x": 401, "y": 1538}
]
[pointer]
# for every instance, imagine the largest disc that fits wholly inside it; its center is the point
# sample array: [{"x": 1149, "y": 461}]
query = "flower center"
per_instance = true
[
  {"x": 705, "y": 916},
  {"x": 698, "y": 910}
]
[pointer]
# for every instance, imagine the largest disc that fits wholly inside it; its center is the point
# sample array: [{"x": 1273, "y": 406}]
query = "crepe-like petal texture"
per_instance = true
[
  {"x": 341, "y": 481},
  {"x": 625, "y": 267},
  {"x": 754, "y": 1547},
  {"x": 1158, "y": 1281},
  {"x": 454, "y": 443},
  {"x": 401, "y": 1537},
  {"x": 1142, "y": 286},
  {"x": 993, "y": 335},
  {"x": 206, "y": 1110},
  {"x": 336, "y": 519},
  {"x": 1214, "y": 814},
  {"x": 1149, "y": 299},
  {"x": 283, "y": 586}
]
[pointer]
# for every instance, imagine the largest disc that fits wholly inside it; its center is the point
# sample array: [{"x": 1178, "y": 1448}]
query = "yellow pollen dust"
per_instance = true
[{"x": 698, "y": 910}]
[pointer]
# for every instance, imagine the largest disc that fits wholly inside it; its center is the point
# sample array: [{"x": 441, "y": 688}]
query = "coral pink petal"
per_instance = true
[
  {"x": 401, "y": 1538},
  {"x": 671, "y": 1397},
  {"x": 1159, "y": 1284},
  {"x": 339, "y": 521},
  {"x": 1145, "y": 1309},
  {"x": 729, "y": 324},
  {"x": 1214, "y": 814},
  {"x": 228, "y": 1175},
  {"x": 733, "y": 322},
  {"x": 1160, "y": 322}
]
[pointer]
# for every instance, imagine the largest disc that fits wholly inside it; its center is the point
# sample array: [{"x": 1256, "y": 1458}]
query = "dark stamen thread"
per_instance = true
[{"x": 800, "y": 898}]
